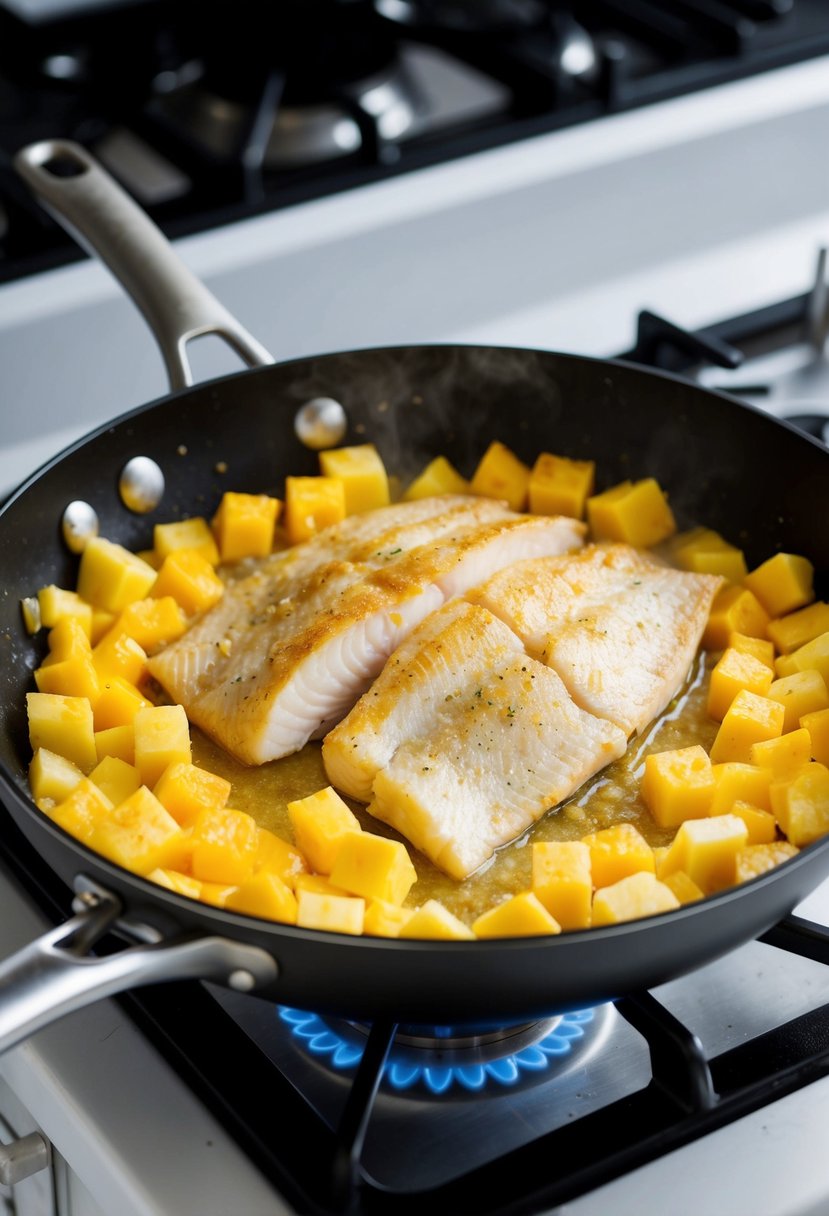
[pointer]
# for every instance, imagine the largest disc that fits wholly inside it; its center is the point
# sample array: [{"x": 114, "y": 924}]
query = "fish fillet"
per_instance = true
[{"x": 282, "y": 657}]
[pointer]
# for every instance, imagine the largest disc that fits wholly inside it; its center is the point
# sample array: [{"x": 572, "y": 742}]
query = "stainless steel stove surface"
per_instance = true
[{"x": 537, "y": 181}]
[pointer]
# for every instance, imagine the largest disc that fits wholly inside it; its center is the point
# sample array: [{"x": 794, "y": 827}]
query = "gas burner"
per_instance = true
[{"x": 436, "y": 1060}]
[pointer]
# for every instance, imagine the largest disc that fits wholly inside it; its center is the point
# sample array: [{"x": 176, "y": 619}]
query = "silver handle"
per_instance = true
[
  {"x": 53, "y": 975},
  {"x": 100, "y": 215},
  {"x": 22, "y": 1158}
]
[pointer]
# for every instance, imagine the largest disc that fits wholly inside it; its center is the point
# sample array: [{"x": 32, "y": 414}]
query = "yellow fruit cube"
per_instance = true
[
  {"x": 782, "y": 583},
  {"x": 320, "y": 823},
  {"x": 174, "y": 880},
  {"x": 317, "y": 883},
  {"x": 735, "y": 670},
  {"x": 522, "y": 916},
  {"x": 52, "y": 776},
  {"x": 562, "y": 881},
  {"x": 740, "y": 782},
  {"x": 152, "y": 622},
  {"x": 785, "y": 753},
  {"x": 118, "y": 703},
  {"x": 500, "y": 474},
  {"x": 439, "y": 477},
  {"x": 110, "y": 577},
  {"x": 812, "y": 656},
  {"x": 683, "y": 887},
  {"x": 706, "y": 850},
  {"x": 68, "y": 640},
  {"x": 790, "y": 632},
  {"x": 162, "y": 737},
  {"x": 193, "y": 534},
  {"x": 311, "y": 504},
  {"x": 139, "y": 835},
  {"x": 616, "y": 852},
  {"x": 760, "y": 825},
  {"x": 115, "y": 778},
  {"x": 81, "y": 811},
  {"x": 334, "y": 913},
  {"x": 70, "y": 678},
  {"x": 117, "y": 654},
  {"x": 244, "y": 525},
  {"x": 559, "y": 486},
  {"x": 265, "y": 895},
  {"x": 57, "y": 605},
  {"x": 102, "y": 622},
  {"x": 817, "y": 724},
  {"x": 216, "y": 893},
  {"x": 632, "y": 898},
  {"x": 734, "y": 610},
  {"x": 116, "y": 741},
  {"x": 190, "y": 579},
  {"x": 634, "y": 512},
  {"x": 224, "y": 846},
  {"x": 800, "y": 803},
  {"x": 750, "y": 719},
  {"x": 678, "y": 785},
  {"x": 64, "y": 725},
  {"x": 706, "y": 552},
  {"x": 186, "y": 790},
  {"x": 433, "y": 920},
  {"x": 374, "y": 867},
  {"x": 384, "y": 920},
  {"x": 803, "y": 693},
  {"x": 278, "y": 857},
  {"x": 758, "y": 648},
  {"x": 756, "y": 859},
  {"x": 363, "y": 474}
]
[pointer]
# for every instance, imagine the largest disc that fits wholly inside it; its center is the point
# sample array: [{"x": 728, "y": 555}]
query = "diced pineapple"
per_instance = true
[
  {"x": 118, "y": 654},
  {"x": 706, "y": 850},
  {"x": 116, "y": 741},
  {"x": 384, "y": 920},
  {"x": 634, "y": 512},
  {"x": 735, "y": 670},
  {"x": 30, "y": 610},
  {"x": 244, "y": 525},
  {"x": 311, "y": 504},
  {"x": 678, "y": 785},
  {"x": 374, "y": 867},
  {"x": 102, "y": 622},
  {"x": 704, "y": 551},
  {"x": 782, "y": 583},
  {"x": 758, "y": 648},
  {"x": 522, "y": 916},
  {"x": 738, "y": 782},
  {"x": 52, "y": 776},
  {"x": 632, "y": 898},
  {"x": 63, "y": 725},
  {"x": 756, "y": 859},
  {"x": 561, "y": 880},
  {"x": 118, "y": 703},
  {"x": 750, "y": 719},
  {"x": 803, "y": 693},
  {"x": 735, "y": 610},
  {"x": 790, "y": 632},
  {"x": 140, "y": 835},
  {"x": 317, "y": 883},
  {"x": 320, "y": 823},
  {"x": 812, "y": 656},
  {"x": 117, "y": 779},
  {"x": 433, "y": 920},
  {"x": 190, "y": 579},
  {"x": 616, "y": 852},
  {"x": 278, "y": 857},
  {"x": 186, "y": 790},
  {"x": 363, "y": 474},
  {"x": 334, "y": 913},
  {"x": 70, "y": 678},
  {"x": 560, "y": 486},
  {"x": 265, "y": 895},
  {"x": 82, "y": 810},
  {"x": 760, "y": 825},
  {"x": 224, "y": 846},
  {"x": 500, "y": 474},
  {"x": 174, "y": 880},
  {"x": 110, "y": 577},
  {"x": 817, "y": 724},
  {"x": 683, "y": 887},
  {"x": 785, "y": 753},
  {"x": 439, "y": 477},
  {"x": 68, "y": 639},
  {"x": 57, "y": 605},
  {"x": 193, "y": 534},
  {"x": 800, "y": 802},
  {"x": 162, "y": 737},
  {"x": 152, "y": 622}
]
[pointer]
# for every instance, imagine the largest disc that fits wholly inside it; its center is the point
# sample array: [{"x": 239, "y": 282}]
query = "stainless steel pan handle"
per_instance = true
[
  {"x": 101, "y": 216},
  {"x": 54, "y": 975}
]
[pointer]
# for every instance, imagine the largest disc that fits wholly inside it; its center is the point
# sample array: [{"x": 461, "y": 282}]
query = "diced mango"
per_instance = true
[
  {"x": 52, "y": 776},
  {"x": 735, "y": 670},
  {"x": 782, "y": 583},
  {"x": 162, "y": 737},
  {"x": 64, "y": 725},
  {"x": 115, "y": 778},
  {"x": 616, "y": 852},
  {"x": 756, "y": 859},
  {"x": 317, "y": 883},
  {"x": 152, "y": 622},
  {"x": 800, "y": 803},
  {"x": 384, "y": 920},
  {"x": 224, "y": 846},
  {"x": 116, "y": 741},
  {"x": 278, "y": 857},
  {"x": 334, "y": 913},
  {"x": 803, "y": 693},
  {"x": 678, "y": 785},
  {"x": 812, "y": 656},
  {"x": 70, "y": 678},
  {"x": 784, "y": 754},
  {"x": 57, "y": 605},
  {"x": 110, "y": 577},
  {"x": 140, "y": 835},
  {"x": 68, "y": 639},
  {"x": 500, "y": 474},
  {"x": 118, "y": 703},
  {"x": 102, "y": 622},
  {"x": 631, "y": 898},
  {"x": 244, "y": 525},
  {"x": 735, "y": 610},
  {"x": 740, "y": 782},
  {"x": 439, "y": 477},
  {"x": 758, "y": 648},
  {"x": 311, "y": 504},
  {"x": 634, "y": 512},
  {"x": 750, "y": 719},
  {"x": 817, "y": 724},
  {"x": 320, "y": 823},
  {"x": 81, "y": 811},
  {"x": 190, "y": 579},
  {"x": 193, "y": 534},
  {"x": 433, "y": 920},
  {"x": 522, "y": 916},
  {"x": 760, "y": 825},
  {"x": 683, "y": 887},
  {"x": 363, "y": 474},
  {"x": 790, "y": 632},
  {"x": 174, "y": 880},
  {"x": 706, "y": 850},
  {"x": 265, "y": 895},
  {"x": 118, "y": 654},
  {"x": 216, "y": 893},
  {"x": 186, "y": 790},
  {"x": 562, "y": 881},
  {"x": 560, "y": 486},
  {"x": 704, "y": 551},
  {"x": 374, "y": 867}
]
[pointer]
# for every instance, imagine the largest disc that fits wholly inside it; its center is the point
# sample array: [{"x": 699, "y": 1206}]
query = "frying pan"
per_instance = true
[{"x": 756, "y": 480}]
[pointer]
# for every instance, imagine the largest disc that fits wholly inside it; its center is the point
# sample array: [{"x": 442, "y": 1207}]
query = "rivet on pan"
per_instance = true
[
  {"x": 241, "y": 981},
  {"x": 320, "y": 423},
  {"x": 141, "y": 485},
  {"x": 79, "y": 524}
]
